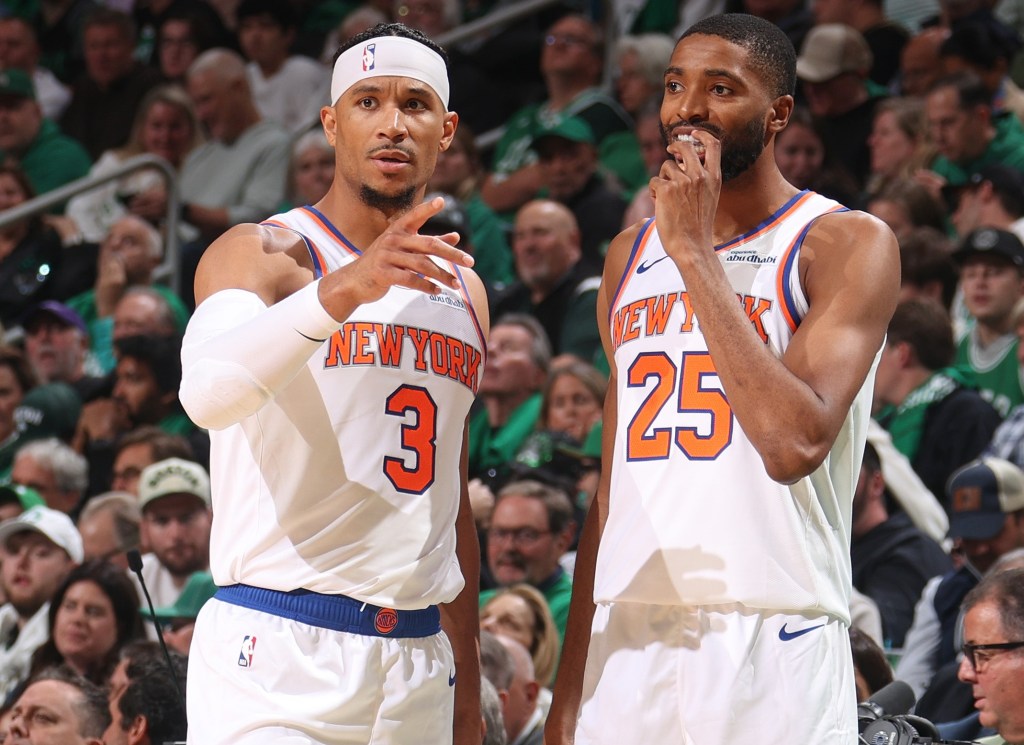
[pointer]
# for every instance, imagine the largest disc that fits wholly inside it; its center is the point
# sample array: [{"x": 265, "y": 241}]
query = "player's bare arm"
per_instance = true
[
  {"x": 561, "y": 723},
  {"x": 791, "y": 409}
]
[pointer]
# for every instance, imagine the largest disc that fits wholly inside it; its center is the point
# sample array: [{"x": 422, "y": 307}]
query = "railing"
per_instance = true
[{"x": 168, "y": 270}]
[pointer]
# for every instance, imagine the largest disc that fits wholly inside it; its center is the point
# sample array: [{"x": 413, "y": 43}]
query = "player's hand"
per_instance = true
[
  {"x": 686, "y": 192},
  {"x": 400, "y": 257}
]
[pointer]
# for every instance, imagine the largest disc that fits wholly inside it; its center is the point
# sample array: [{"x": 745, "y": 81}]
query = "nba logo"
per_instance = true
[
  {"x": 245, "y": 654},
  {"x": 368, "y": 57}
]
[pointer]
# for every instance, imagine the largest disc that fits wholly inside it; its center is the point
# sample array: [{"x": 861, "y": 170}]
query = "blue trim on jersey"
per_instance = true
[
  {"x": 330, "y": 226},
  {"x": 787, "y": 293},
  {"x": 762, "y": 225},
  {"x": 335, "y": 612},
  {"x": 314, "y": 255},
  {"x": 629, "y": 263},
  {"x": 472, "y": 310}
]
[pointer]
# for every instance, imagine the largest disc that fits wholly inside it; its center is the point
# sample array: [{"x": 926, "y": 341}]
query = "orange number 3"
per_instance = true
[
  {"x": 419, "y": 438},
  {"x": 645, "y": 442}
]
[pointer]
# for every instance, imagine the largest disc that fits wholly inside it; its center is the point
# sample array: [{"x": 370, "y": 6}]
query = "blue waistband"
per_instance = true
[{"x": 335, "y": 612}]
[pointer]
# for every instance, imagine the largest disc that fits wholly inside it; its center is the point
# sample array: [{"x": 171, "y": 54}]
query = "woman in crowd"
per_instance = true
[
  {"x": 898, "y": 143},
  {"x": 93, "y": 614},
  {"x": 640, "y": 69},
  {"x": 800, "y": 154},
  {"x": 572, "y": 399},
  {"x": 165, "y": 125},
  {"x": 311, "y": 170},
  {"x": 521, "y": 613},
  {"x": 905, "y": 204}
]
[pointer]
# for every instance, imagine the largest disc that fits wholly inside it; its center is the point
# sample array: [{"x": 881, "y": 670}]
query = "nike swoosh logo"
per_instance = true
[
  {"x": 451, "y": 679},
  {"x": 790, "y": 635},
  {"x": 645, "y": 266}
]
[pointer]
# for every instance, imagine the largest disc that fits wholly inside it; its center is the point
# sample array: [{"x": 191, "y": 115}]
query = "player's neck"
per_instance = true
[
  {"x": 360, "y": 223},
  {"x": 749, "y": 199}
]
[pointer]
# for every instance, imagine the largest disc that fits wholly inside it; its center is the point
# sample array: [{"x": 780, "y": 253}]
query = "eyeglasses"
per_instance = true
[
  {"x": 566, "y": 40},
  {"x": 516, "y": 536},
  {"x": 979, "y": 655}
]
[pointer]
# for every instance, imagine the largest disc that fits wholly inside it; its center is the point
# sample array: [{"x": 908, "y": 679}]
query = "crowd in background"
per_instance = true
[{"x": 912, "y": 110}]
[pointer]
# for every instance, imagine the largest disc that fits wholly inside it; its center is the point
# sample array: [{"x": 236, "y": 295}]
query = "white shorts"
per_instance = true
[
  {"x": 255, "y": 678},
  {"x": 692, "y": 676}
]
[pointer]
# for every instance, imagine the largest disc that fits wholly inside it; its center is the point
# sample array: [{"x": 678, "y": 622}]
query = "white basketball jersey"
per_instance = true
[
  {"x": 694, "y": 518},
  {"x": 347, "y": 482}
]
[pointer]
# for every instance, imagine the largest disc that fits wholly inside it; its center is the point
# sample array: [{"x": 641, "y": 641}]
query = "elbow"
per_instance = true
[
  {"x": 217, "y": 395},
  {"x": 787, "y": 461}
]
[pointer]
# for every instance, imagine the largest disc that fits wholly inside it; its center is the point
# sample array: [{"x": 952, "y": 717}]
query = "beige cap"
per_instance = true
[
  {"x": 830, "y": 50},
  {"x": 173, "y": 476}
]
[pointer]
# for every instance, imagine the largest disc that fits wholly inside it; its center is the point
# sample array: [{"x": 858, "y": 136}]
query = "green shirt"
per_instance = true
[
  {"x": 1007, "y": 148},
  {"x": 53, "y": 159},
  {"x": 997, "y": 373},
  {"x": 491, "y": 251},
  {"x": 494, "y": 447}
]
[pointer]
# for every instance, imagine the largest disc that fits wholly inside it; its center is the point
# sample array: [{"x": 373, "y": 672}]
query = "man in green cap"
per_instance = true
[{"x": 47, "y": 156}]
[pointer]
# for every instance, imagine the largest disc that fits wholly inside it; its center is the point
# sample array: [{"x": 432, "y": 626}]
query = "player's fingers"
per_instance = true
[
  {"x": 413, "y": 220},
  {"x": 441, "y": 246},
  {"x": 712, "y": 148}
]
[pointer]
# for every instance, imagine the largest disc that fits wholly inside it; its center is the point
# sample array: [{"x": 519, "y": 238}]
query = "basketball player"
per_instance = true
[
  {"x": 743, "y": 324},
  {"x": 334, "y": 355}
]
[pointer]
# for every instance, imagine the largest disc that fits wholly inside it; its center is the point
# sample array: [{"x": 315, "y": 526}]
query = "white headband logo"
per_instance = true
[{"x": 390, "y": 56}]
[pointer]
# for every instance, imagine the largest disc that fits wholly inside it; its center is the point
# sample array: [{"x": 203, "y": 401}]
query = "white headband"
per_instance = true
[{"x": 390, "y": 56}]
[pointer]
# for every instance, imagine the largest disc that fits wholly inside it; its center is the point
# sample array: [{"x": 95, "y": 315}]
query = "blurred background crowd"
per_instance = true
[{"x": 186, "y": 117}]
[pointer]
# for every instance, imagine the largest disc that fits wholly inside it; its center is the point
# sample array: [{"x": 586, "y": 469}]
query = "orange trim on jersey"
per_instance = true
[
  {"x": 798, "y": 201},
  {"x": 634, "y": 260},
  {"x": 785, "y": 269}
]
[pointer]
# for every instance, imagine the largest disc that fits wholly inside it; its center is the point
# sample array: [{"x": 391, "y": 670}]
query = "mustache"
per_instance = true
[{"x": 392, "y": 148}]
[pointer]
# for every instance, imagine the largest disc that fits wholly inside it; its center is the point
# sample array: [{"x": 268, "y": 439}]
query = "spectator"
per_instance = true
[
  {"x": 59, "y": 706},
  {"x": 106, "y": 94},
  {"x": 60, "y": 35},
  {"x": 920, "y": 65},
  {"x": 165, "y": 125},
  {"x": 311, "y": 170},
  {"x": 833, "y": 66},
  {"x": 522, "y": 713},
  {"x": 556, "y": 286},
  {"x": 496, "y": 668},
  {"x": 179, "y": 620},
  {"x": 569, "y": 173},
  {"x": 94, "y": 613},
  {"x": 518, "y": 355},
  {"x": 571, "y": 62},
  {"x": 49, "y": 410},
  {"x": 898, "y": 142},
  {"x": 57, "y": 345},
  {"x": 987, "y": 521},
  {"x": 573, "y": 398},
  {"x": 149, "y": 710},
  {"x": 884, "y": 38},
  {"x": 993, "y": 663},
  {"x": 965, "y": 133},
  {"x": 936, "y": 418},
  {"x": 904, "y": 205},
  {"x": 493, "y": 728},
  {"x": 172, "y": 33},
  {"x": 652, "y": 147},
  {"x": 458, "y": 172},
  {"x": 39, "y": 549},
  {"x": 15, "y": 499},
  {"x": 141, "y": 447},
  {"x": 19, "y": 50},
  {"x": 55, "y": 471},
  {"x": 532, "y": 526},
  {"x": 892, "y": 560},
  {"x": 802, "y": 159},
  {"x": 993, "y": 197},
  {"x": 47, "y": 156},
  {"x": 520, "y": 612},
  {"x": 640, "y": 69},
  {"x": 978, "y": 48},
  {"x": 992, "y": 277},
  {"x": 288, "y": 89},
  {"x": 31, "y": 254},
  {"x": 16, "y": 379},
  {"x": 128, "y": 256},
  {"x": 174, "y": 496},
  {"x": 109, "y": 525},
  {"x": 870, "y": 666},
  {"x": 927, "y": 270}
]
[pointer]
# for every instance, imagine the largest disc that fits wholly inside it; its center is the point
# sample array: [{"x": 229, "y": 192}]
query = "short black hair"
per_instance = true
[
  {"x": 152, "y": 693},
  {"x": 768, "y": 48},
  {"x": 392, "y": 29},
  {"x": 280, "y": 13},
  {"x": 162, "y": 354},
  {"x": 924, "y": 325},
  {"x": 970, "y": 91}
]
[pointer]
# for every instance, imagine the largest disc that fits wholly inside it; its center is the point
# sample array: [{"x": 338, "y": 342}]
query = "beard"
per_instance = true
[
  {"x": 387, "y": 203},
  {"x": 740, "y": 150}
]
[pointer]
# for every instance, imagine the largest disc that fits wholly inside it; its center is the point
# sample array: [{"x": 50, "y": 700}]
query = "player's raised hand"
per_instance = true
[
  {"x": 686, "y": 191},
  {"x": 399, "y": 257}
]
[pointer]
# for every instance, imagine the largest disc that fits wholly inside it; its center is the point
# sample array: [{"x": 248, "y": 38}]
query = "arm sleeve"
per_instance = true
[{"x": 238, "y": 354}]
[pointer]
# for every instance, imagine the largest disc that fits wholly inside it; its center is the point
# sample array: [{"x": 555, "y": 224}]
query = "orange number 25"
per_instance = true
[{"x": 646, "y": 442}]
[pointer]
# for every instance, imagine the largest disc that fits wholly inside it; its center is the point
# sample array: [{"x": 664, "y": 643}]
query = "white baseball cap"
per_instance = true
[
  {"x": 173, "y": 476},
  {"x": 50, "y": 523}
]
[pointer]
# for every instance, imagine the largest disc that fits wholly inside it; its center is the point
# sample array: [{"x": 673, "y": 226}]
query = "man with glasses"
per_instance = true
[
  {"x": 993, "y": 659},
  {"x": 531, "y": 527}
]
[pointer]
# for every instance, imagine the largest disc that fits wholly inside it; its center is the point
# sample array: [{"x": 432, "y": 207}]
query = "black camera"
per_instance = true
[{"x": 878, "y": 727}]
